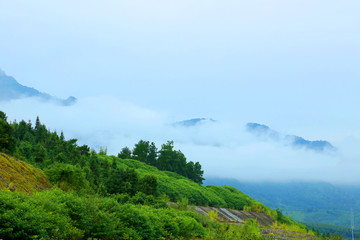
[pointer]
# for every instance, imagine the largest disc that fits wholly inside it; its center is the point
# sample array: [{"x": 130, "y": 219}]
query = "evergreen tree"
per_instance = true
[
  {"x": 166, "y": 154},
  {"x": 152, "y": 155},
  {"x": 114, "y": 183},
  {"x": 125, "y": 153},
  {"x": 130, "y": 179},
  {"x": 94, "y": 167},
  {"x": 141, "y": 150},
  {"x": 39, "y": 153},
  {"x": 198, "y": 173},
  {"x": 84, "y": 150},
  {"x": 3, "y": 116},
  {"x": 7, "y": 140},
  {"x": 26, "y": 150}
]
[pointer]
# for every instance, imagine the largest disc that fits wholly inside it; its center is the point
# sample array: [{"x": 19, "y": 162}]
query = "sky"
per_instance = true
[{"x": 138, "y": 66}]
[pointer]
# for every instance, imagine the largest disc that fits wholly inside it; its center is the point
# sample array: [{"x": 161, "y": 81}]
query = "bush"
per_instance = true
[
  {"x": 24, "y": 218},
  {"x": 55, "y": 214},
  {"x": 67, "y": 177}
]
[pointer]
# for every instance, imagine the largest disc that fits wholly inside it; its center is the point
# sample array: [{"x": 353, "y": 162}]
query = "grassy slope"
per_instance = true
[
  {"x": 26, "y": 178},
  {"x": 20, "y": 176},
  {"x": 177, "y": 187}
]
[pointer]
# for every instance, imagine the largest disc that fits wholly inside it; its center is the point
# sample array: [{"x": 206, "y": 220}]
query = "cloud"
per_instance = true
[
  {"x": 224, "y": 148},
  {"x": 96, "y": 121}
]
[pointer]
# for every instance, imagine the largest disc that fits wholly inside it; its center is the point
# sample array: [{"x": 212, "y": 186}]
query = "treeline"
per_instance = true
[
  {"x": 67, "y": 165},
  {"x": 38, "y": 145},
  {"x": 166, "y": 159},
  {"x": 69, "y": 162}
]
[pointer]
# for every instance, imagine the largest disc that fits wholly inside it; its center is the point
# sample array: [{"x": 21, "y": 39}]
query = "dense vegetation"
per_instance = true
[
  {"x": 167, "y": 159},
  {"x": 73, "y": 167},
  {"x": 106, "y": 197},
  {"x": 328, "y": 229},
  {"x": 59, "y": 215},
  {"x": 42, "y": 148}
]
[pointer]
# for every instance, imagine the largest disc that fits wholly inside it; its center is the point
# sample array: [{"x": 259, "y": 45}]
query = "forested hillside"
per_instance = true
[
  {"x": 314, "y": 203},
  {"x": 94, "y": 195}
]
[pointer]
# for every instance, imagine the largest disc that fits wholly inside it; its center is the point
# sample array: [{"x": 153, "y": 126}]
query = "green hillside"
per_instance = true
[
  {"x": 17, "y": 175},
  {"x": 96, "y": 196},
  {"x": 72, "y": 213},
  {"x": 177, "y": 187}
]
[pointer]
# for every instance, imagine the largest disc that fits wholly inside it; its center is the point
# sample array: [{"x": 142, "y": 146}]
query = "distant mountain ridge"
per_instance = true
[
  {"x": 307, "y": 202},
  {"x": 193, "y": 122},
  {"x": 10, "y": 89},
  {"x": 261, "y": 130}
]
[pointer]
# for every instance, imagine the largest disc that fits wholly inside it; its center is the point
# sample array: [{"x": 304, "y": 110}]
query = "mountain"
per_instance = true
[
  {"x": 10, "y": 89},
  {"x": 193, "y": 122},
  {"x": 309, "y": 202},
  {"x": 263, "y": 131}
]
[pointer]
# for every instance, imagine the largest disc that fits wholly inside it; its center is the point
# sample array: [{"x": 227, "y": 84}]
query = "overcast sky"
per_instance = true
[{"x": 138, "y": 66}]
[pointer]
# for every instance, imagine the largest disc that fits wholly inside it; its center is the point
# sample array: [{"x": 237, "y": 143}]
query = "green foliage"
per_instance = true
[
  {"x": 103, "y": 151},
  {"x": 25, "y": 218},
  {"x": 104, "y": 174},
  {"x": 123, "y": 181},
  {"x": 324, "y": 230},
  {"x": 141, "y": 150},
  {"x": 7, "y": 141},
  {"x": 148, "y": 184},
  {"x": 233, "y": 198},
  {"x": 166, "y": 159},
  {"x": 3, "y": 116},
  {"x": 125, "y": 153},
  {"x": 249, "y": 231},
  {"x": 255, "y": 207},
  {"x": 280, "y": 217},
  {"x": 114, "y": 182},
  {"x": 177, "y": 187},
  {"x": 213, "y": 215},
  {"x": 252, "y": 229},
  {"x": 67, "y": 177},
  {"x": 39, "y": 153},
  {"x": 55, "y": 214},
  {"x": 183, "y": 203},
  {"x": 26, "y": 150},
  {"x": 175, "y": 161}
]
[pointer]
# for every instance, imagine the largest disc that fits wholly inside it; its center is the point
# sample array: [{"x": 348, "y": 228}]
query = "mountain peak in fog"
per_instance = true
[
  {"x": 10, "y": 89},
  {"x": 262, "y": 131},
  {"x": 193, "y": 122}
]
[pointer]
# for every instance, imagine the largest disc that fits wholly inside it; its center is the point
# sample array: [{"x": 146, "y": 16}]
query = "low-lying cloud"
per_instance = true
[{"x": 224, "y": 148}]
